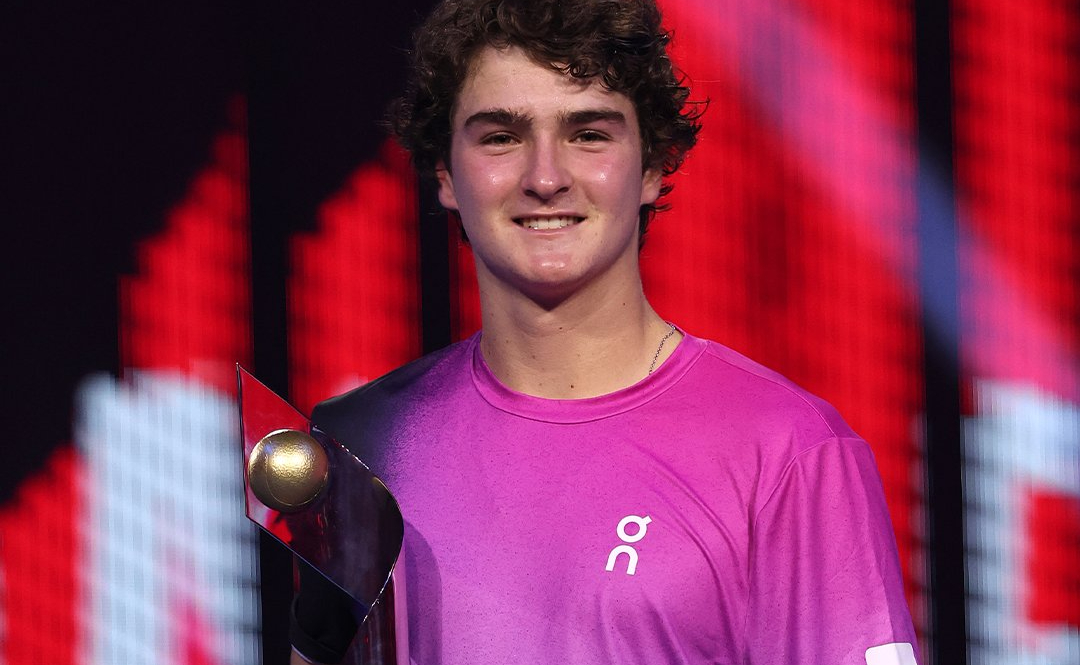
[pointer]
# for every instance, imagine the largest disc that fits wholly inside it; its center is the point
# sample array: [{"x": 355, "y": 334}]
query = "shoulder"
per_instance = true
[
  {"x": 761, "y": 403},
  {"x": 436, "y": 375},
  {"x": 797, "y": 442}
]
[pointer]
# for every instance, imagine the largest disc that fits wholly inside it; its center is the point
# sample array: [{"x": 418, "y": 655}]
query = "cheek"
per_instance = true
[
  {"x": 498, "y": 181},
  {"x": 620, "y": 188},
  {"x": 612, "y": 174},
  {"x": 485, "y": 186}
]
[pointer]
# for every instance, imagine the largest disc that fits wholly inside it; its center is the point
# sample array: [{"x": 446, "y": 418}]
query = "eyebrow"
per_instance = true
[
  {"x": 498, "y": 117},
  {"x": 573, "y": 118},
  {"x": 587, "y": 116}
]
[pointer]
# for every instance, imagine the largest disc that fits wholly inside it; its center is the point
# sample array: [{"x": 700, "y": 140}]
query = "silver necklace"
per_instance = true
[{"x": 656, "y": 356}]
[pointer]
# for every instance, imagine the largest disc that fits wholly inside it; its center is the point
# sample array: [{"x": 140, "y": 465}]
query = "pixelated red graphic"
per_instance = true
[
  {"x": 1017, "y": 133},
  {"x": 1052, "y": 564},
  {"x": 41, "y": 587},
  {"x": 188, "y": 309},
  {"x": 1017, "y": 110},
  {"x": 354, "y": 291}
]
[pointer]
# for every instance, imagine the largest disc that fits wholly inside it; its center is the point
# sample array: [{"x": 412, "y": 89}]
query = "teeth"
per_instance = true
[{"x": 546, "y": 223}]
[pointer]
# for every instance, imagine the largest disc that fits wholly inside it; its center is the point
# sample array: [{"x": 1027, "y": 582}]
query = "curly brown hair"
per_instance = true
[{"x": 619, "y": 42}]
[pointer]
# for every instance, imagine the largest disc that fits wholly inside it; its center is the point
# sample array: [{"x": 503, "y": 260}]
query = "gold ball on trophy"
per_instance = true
[{"x": 287, "y": 470}]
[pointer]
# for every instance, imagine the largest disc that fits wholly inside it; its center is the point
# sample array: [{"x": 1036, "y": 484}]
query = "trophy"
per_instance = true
[{"x": 320, "y": 501}]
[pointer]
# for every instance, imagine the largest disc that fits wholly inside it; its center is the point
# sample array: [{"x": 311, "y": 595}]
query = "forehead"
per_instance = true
[{"x": 508, "y": 79}]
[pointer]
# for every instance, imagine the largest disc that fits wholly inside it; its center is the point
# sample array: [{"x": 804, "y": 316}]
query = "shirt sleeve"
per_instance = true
[{"x": 825, "y": 582}]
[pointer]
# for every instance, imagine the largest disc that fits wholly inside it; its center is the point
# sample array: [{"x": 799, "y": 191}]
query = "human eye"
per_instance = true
[
  {"x": 590, "y": 136},
  {"x": 498, "y": 139}
]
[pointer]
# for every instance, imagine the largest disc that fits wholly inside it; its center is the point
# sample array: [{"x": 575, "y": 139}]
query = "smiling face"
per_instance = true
[{"x": 546, "y": 173}]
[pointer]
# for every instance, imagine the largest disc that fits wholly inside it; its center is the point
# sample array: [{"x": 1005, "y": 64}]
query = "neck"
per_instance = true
[{"x": 587, "y": 345}]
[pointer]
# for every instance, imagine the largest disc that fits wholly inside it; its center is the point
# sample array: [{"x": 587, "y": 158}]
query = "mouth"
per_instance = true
[{"x": 547, "y": 223}]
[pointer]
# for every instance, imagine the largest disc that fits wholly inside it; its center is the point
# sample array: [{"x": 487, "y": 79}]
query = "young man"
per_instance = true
[{"x": 582, "y": 481}]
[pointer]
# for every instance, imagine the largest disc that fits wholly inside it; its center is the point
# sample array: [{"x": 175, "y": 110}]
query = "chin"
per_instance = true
[{"x": 550, "y": 293}]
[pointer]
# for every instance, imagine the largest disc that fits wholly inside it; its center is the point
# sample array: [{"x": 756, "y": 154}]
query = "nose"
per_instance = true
[{"x": 546, "y": 174}]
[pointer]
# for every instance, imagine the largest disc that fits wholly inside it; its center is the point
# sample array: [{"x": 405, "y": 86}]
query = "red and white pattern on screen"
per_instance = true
[
  {"x": 129, "y": 546},
  {"x": 1017, "y": 124}
]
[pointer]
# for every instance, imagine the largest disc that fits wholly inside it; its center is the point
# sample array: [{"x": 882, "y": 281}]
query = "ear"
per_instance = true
[
  {"x": 446, "y": 186},
  {"x": 650, "y": 186}
]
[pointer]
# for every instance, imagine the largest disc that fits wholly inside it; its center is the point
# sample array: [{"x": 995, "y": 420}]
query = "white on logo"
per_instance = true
[{"x": 630, "y": 552}]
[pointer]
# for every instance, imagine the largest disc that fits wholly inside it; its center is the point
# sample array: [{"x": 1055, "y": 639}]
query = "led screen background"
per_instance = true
[{"x": 206, "y": 186}]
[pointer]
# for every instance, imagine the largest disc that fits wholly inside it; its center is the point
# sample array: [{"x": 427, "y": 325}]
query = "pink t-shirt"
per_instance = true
[{"x": 711, "y": 513}]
